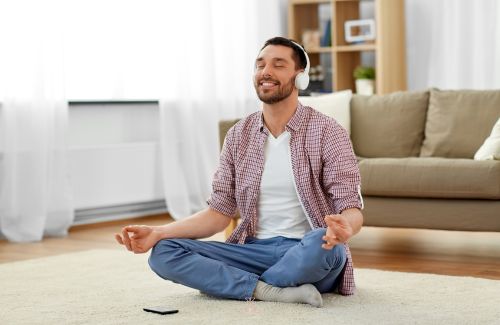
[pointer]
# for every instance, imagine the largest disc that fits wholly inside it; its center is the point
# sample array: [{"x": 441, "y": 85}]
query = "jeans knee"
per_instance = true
[
  {"x": 315, "y": 235},
  {"x": 160, "y": 255},
  {"x": 337, "y": 256},
  {"x": 315, "y": 254}
]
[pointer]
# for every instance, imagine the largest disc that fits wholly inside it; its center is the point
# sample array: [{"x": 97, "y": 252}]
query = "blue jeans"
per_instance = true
[{"x": 232, "y": 270}]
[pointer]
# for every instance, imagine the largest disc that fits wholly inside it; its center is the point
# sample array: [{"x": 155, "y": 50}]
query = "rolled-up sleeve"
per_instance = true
[
  {"x": 223, "y": 198},
  {"x": 341, "y": 177}
]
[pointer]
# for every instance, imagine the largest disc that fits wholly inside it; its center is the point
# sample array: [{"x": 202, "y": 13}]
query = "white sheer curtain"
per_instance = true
[
  {"x": 35, "y": 196},
  {"x": 453, "y": 44},
  {"x": 213, "y": 67},
  {"x": 197, "y": 56}
]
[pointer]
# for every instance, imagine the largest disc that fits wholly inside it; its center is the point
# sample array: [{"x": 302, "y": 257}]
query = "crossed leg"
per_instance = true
[{"x": 233, "y": 270}]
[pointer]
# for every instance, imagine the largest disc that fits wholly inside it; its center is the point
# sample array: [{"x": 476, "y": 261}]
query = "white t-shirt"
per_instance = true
[{"x": 280, "y": 212}]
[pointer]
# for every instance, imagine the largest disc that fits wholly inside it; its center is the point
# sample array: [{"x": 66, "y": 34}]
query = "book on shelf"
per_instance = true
[
  {"x": 325, "y": 24},
  {"x": 326, "y": 39}
]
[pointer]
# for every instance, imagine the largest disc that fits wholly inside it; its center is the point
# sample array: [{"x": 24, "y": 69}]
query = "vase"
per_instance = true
[{"x": 365, "y": 86}]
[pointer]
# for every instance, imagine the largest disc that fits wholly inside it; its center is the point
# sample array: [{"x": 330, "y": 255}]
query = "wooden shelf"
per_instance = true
[
  {"x": 355, "y": 48},
  {"x": 319, "y": 50},
  {"x": 340, "y": 59},
  {"x": 306, "y": 2}
]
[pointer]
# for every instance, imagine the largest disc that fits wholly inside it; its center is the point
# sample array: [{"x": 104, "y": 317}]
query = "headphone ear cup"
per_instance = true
[{"x": 302, "y": 80}]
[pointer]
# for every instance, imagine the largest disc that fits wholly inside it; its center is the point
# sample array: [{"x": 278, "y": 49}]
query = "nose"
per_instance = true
[
  {"x": 266, "y": 71},
  {"x": 259, "y": 75}
]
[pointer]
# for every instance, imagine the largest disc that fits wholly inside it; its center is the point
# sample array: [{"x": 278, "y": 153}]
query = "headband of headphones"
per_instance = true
[{"x": 302, "y": 78}]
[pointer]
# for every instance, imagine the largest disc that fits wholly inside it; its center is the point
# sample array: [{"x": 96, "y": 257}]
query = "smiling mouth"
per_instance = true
[{"x": 268, "y": 84}]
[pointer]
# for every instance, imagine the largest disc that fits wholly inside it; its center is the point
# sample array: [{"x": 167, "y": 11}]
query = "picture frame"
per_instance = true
[
  {"x": 360, "y": 30},
  {"x": 311, "y": 39}
]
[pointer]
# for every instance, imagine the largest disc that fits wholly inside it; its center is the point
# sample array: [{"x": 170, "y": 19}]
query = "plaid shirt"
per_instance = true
[{"x": 323, "y": 163}]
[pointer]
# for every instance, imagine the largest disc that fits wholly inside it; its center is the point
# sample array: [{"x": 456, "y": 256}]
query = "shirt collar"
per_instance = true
[
  {"x": 262, "y": 127},
  {"x": 293, "y": 124},
  {"x": 297, "y": 118}
]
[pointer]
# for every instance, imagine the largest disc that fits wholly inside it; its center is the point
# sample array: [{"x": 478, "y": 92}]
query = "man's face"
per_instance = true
[{"x": 274, "y": 77}]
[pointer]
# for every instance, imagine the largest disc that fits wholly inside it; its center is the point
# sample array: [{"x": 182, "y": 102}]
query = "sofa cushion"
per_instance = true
[
  {"x": 388, "y": 125},
  {"x": 335, "y": 105},
  {"x": 491, "y": 146},
  {"x": 224, "y": 126},
  {"x": 431, "y": 178},
  {"x": 458, "y": 122}
]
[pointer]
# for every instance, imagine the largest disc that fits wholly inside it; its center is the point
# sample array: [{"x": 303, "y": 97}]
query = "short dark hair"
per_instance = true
[{"x": 298, "y": 54}]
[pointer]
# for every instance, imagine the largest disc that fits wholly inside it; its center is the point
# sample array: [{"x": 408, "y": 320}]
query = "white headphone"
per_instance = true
[{"x": 302, "y": 78}]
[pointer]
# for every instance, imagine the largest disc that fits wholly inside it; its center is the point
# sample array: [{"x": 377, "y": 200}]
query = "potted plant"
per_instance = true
[{"x": 365, "y": 80}]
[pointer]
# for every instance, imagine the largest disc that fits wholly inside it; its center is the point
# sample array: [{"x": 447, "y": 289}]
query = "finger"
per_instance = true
[
  {"x": 331, "y": 241},
  {"x": 339, "y": 236},
  {"x": 334, "y": 229},
  {"x": 327, "y": 246},
  {"x": 331, "y": 224},
  {"x": 126, "y": 239},
  {"x": 137, "y": 249},
  {"x": 133, "y": 228},
  {"x": 337, "y": 218},
  {"x": 329, "y": 220},
  {"x": 338, "y": 230},
  {"x": 119, "y": 239},
  {"x": 335, "y": 237}
]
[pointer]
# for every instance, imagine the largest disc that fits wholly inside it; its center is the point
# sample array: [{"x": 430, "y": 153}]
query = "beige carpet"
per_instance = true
[{"x": 112, "y": 287}]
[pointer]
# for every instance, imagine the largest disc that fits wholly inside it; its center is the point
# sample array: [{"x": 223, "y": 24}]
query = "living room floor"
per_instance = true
[{"x": 474, "y": 254}]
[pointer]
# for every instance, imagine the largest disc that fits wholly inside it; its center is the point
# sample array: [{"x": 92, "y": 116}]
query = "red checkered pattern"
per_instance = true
[{"x": 323, "y": 163}]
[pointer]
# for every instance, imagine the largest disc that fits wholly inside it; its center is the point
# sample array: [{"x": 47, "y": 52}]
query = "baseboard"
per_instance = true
[{"x": 118, "y": 212}]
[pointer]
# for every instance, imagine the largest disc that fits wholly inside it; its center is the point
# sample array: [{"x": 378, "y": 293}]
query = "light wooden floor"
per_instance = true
[{"x": 409, "y": 250}]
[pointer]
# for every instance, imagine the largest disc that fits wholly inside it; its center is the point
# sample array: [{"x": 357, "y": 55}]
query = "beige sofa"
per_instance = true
[{"x": 416, "y": 154}]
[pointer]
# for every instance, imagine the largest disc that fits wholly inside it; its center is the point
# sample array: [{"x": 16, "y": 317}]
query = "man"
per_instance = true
[{"x": 291, "y": 173}]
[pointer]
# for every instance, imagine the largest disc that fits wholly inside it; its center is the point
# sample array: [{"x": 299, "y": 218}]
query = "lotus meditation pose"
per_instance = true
[{"x": 291, "y": 175}]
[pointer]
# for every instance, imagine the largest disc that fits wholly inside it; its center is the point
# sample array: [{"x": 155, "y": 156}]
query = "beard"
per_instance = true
[{"x": 282, "y": 91}]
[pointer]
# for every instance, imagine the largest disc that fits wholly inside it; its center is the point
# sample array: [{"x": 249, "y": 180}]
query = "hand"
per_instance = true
[
  {"x": 143, "y": 238},
  {"x": 339, "y": 230}
]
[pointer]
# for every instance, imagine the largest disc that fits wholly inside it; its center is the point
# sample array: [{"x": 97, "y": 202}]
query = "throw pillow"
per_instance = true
[
  {"x": 335, "y": 105},
  {"x": 458, "y": 121},
  {"x": 390, "y": 126},
  {"x": 490, "y": 150}
]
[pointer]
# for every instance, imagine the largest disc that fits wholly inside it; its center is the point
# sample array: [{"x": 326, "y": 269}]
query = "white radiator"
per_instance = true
[
  {"x": 116, "y": 181},
  {"x": 114, "y": 162}
]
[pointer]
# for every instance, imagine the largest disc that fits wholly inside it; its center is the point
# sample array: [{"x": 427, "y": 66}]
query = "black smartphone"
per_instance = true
[{"x": 161, "y": 310}]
